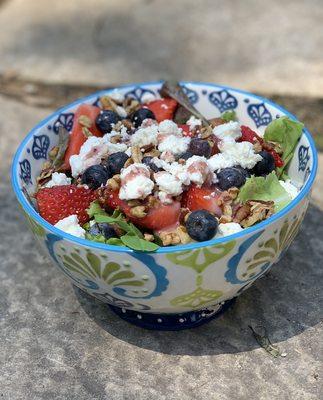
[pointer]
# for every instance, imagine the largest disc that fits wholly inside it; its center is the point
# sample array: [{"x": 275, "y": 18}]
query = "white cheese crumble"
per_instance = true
[
  {"x": 58, "y": 179},
  {"x": 198, "y": 169},
  {"x": 165, "y": 198},
  {"x": 228, "y": 229},
  {"x": 193, "y": 122},
  {"x": 145, "y": 136},
  {"x": 71, "y": 225},
  {"x": 291, "y": 189},
  {"x": 234, "y": 153},
  {"x": 230, "y": 129},
  {"x": 169, "y": 127},
  {"x": 168, "y": 183},
  {"x": 174, "y": 144},
  {"x": 92, "y": 151},
  {"x": 135, "y": 182},
  {"x": 121, "y": 112}
]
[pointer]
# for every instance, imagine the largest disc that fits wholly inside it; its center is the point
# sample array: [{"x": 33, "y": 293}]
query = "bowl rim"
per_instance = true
[{"x": 167, "y": 249}]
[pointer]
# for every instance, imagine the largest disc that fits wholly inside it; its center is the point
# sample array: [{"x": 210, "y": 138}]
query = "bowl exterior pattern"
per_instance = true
[{"x": 181, "y": 280}]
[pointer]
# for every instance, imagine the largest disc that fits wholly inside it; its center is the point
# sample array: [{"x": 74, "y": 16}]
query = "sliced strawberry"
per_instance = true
[
  {"x": 186, "y": 130},
  {"x": 214, "y": 141},
  {"x": 163, "y": 108},
  {"x": 202, "y": 199},
  {"x": 248, "y": 135},
  {"x": 157, "y": 218},
  {"x": 59, "y": 202},
  {"x": 77, "y": 137},
  {"x": 278, "y": 161}
]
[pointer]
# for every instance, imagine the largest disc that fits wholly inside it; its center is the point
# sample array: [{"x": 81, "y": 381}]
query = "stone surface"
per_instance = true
[
  {"x": 57, "y": 343},
  {"x": 270, "y": 47}
]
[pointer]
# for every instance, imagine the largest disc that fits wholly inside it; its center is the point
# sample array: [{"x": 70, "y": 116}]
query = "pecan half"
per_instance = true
[{"x": 253, "y": 211}]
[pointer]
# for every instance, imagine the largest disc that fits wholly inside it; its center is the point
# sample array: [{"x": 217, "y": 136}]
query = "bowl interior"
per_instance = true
[{"x": 210, "y": 99}]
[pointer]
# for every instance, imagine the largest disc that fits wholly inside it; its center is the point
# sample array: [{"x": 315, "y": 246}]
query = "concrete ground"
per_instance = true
[{"x": 57, "y": 343}]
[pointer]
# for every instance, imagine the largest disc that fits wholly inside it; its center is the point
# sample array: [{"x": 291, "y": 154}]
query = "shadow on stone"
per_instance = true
[{"x": 287, "y": 301}]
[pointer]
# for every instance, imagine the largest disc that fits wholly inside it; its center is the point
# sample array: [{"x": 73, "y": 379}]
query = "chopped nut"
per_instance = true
[
  {"x": 152, "y": 201},
  {"x": 128, "y": 162},
  {"x": 241, "y": 213},
  {"x": 138, "y": 211},
  {"x": 133, "y": 203},
  {"x": 136, "y": 154},
  {"x": 127, "y": 123},
  {"x": 108, "y": 104},
  {"x": 224, "y": 219},
  {"x": 205, "y": 132},
  {"x": 257, "y": 147},
  {"x": 86, "y": 132},
  {"x": 85, "y": 121},
  {"x": 259, "y": 210},
  {"x": 130, "y": 105},
  {"x": 46, "y": 165},
  {"x": 183, "y": 235},
  {"x": 233, "y": 192},
  {"x": 216, "y": 121},
  {"x": 115, "y": 139},
  {"x": 149, "y": 237},
  {"x": 53, "y": 152},
  {"x": 227, "y": 210},
  {"x": 114, "y": 182},
  {"x": 152, "y": 153}
]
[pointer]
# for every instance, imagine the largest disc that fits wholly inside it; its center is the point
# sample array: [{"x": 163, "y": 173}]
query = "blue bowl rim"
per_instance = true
[{"x": 168, "y": 249}]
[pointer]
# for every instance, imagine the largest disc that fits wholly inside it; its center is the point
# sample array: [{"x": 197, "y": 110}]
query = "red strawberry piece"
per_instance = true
[
  {"x": 248, "y": 135},
  {"x": 59, "y": 202},
  {"x": 163, "y": 108},
  {"x": 158, "y": 218},
  {"x": 214, "y": 141},
  {"x": 186, "y": 130},
  {"x": 278, "y": 161},
  {"x": 196, "y": 198},
  {"x": 77, "y": 137}
]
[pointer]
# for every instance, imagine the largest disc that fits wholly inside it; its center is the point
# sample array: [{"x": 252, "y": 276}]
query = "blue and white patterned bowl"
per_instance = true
[{"x": 175, "y": 287}]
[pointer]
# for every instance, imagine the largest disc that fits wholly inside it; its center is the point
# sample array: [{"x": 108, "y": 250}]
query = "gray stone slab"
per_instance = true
[
  {"x": 57, "y": 343},
  {"x": 271, "y": 47}
]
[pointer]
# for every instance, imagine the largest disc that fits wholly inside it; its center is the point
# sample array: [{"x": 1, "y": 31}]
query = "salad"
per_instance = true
[{"x": 157, "y": 173}]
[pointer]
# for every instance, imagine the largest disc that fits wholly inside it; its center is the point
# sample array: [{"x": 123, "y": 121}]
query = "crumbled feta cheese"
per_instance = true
[
  {"x": 169, "y": 127},
  {"x": 147, "y": 97},
  {"x": 92, "y": 151},
  {"x": 58, "y": 179},
  {"x": 243, "y": 153},
  {"x": 90, "y": 154},
  {"x": 228, "y": 229},
  {"x": 165, "y": 198},
  {"x": 198, "y": 169},
  {"x": 193, "y": 123},
  {"x": 71, "y": 225},
  {"x": 230, "y": 129},
  {"x": 291, "y": 189},
  {"x": 168, "y": 183},
  {"x": 135, "y": 182},
  {"x": 174, "y": 144},
  {"x": 145, "y": 136},
  {"x": 220, "y": 161},
  {"x": 117, "y": 96}
]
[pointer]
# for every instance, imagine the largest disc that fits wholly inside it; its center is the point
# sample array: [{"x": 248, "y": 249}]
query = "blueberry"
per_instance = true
[
  {"x": 266, "y": 165},
  {"x": 246, "y": 172},
  {"x": 103, "y": 228},
  {"x": 230, "y": 177},
  {"x": 115, "y": 162},
  {"x": 106, "y": 119},
  {"x": 95, "y": 176},
  {"x": 185, "y": 156},
  {"x": 201, "y": 225},
  {"x": 200, "y": 147},
  {"x": 140, "y": 115},
  {"x": 149, "y": 162}
]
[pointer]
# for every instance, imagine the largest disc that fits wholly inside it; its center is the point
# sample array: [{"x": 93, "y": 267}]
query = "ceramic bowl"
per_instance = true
[{"x": 174, "y": 287}]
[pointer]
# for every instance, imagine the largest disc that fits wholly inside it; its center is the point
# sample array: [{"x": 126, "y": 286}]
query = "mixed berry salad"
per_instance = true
[{"x": 152, "y": 174}]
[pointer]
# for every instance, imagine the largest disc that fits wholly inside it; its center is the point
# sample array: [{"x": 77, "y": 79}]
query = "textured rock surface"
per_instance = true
[
  {"x": 57, "y": 343},
  {"x": 263, "y": 46}
]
